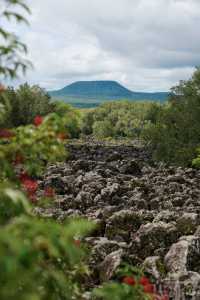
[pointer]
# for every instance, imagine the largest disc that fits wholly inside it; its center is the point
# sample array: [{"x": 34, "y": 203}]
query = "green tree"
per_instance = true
[
  {"x": 27, "y": 102},
  {"x": 12, "y": 50},
  {"x": 71, "y": 115},
  {"x": 175, "y": 135}
]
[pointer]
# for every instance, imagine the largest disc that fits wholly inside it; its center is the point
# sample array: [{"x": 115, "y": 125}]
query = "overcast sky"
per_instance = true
[{"x": 147, "y": 45}]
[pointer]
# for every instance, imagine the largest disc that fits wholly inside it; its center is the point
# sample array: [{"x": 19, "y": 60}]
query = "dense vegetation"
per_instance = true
[
  {"x": 22, "y": 105},
  {"x": 175, "y": 132},
  {"x": 118, "y": 119},
  {"x": 171, "y": 129}
]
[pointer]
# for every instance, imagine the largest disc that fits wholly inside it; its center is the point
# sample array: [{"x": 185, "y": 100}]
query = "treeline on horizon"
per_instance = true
[{"x": 171, "y": 129}]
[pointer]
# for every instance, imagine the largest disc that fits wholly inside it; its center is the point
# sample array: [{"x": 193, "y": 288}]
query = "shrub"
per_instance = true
[
  {"x": 72, "y": 117},
  {"x": 39, "y": 259},
  {"x": 175, "y": 134},
  {"x": 25, "y": 103},
  {"x": 196, "y": 161},
  {"x": 116, "y": 119},
  {"x": 130, "y": 284},
  {"x": 34, "y": 146}
]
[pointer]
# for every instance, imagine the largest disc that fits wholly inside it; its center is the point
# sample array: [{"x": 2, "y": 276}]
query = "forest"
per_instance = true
[{"x": 99, "y": 203}]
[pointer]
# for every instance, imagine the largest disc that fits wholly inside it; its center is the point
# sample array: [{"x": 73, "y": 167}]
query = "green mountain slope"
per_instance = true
[{"x": 92, "y": 93}]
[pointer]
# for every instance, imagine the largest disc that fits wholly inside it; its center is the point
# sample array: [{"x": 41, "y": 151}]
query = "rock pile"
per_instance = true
[{"x": 146, "y": 214}]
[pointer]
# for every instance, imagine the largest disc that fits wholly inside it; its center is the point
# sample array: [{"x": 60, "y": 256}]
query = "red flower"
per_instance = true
[
  {"x": 149, "y": 288},
  {"x": 129, "y": 280},
  {"x": 77, "y": 243},
  {"x": 24, "y": 176},
  {"x": 6, "y": 133},
  {"x": 30, "y": 186},
  {"x": 49, "y": 192},
  {"x": 144, "y": 281},
  {"x": 38, "y": 120}
]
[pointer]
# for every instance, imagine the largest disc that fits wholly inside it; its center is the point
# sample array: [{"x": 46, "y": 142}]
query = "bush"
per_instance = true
[
  {"x": 72, "y": 117},
  {"x": 130, "y": 284},
  {"x": 33, "y": 146},
  {"x": 39, "y": 259},
  {"x": 117, "y": 119},
  {"x": 175, "y": 132},
  {"x": 24, "y": 104}
]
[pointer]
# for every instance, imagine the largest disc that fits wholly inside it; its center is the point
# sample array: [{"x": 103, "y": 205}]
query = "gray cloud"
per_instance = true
[{"x": 146, "y": 45}]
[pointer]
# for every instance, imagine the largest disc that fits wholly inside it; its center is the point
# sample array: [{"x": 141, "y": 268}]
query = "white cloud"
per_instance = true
[{"x": 145, "y": 44}]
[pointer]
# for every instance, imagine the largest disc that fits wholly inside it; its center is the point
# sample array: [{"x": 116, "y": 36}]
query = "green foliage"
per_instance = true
[
  {"x": 4, "y": 109},
  {"x": 118, "y": 291},
  {"x": 196, "y": 161},
  {"x": 71, "y": 115},
  {"x": 12, "y": 203},
  {"x": 87, "y": 121},
  {"x": 175, "y": 132},
  {"x": 35, "y": 145},
  {"x": 24, "y": 104},
  {"x": 12, "y": 49},
  {"x": 117, "y": 119},
  {"x": 39, "y": 259},
  {"x": 127, "y": 286}
]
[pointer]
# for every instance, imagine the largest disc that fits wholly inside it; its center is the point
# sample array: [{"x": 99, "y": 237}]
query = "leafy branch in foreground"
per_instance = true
[
  {"x": 40, "y": 259},
  {"x": 12, "y": 49}
]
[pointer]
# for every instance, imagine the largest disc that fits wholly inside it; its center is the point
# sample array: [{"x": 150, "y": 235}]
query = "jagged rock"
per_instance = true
[
  {"x": 83, "y": 200},
  {"x": 185, "y": 286},
  {"x": 110, "y": 191},
  {"x": 166, "y": 216},
  {"x": 187, "y": 223},
  {"x": 123, "y": 223},
  {"x": 109, "y": 265},
  {"x": 102, "y": 247},
  {"x": 131, "y": 167},
  {"x": 184, "y": 255},
  {"x": 154, "y": 267},
  {"x": 152, "y": 236},
  {"x": 143, "y": 207}
]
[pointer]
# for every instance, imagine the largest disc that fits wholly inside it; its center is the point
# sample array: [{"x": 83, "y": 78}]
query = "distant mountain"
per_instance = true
[{"x": 92, "y": 93}]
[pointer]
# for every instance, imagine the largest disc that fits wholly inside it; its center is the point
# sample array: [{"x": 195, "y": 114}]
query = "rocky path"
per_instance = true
[{"x": 146, "y": 214}]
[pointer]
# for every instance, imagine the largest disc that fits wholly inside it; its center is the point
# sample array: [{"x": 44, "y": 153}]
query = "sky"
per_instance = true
[{"x": 146, "y": 45}]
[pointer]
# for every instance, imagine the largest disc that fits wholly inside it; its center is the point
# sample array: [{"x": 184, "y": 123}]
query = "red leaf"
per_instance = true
[
  {"x": 24, "y": 176},
  {"x": 144, "y": 281},
  {"x": 30, "y": 186},
  {"x": 129, "y": 280},
  {"x": 149, "y": 288},
  {"x": 38, "y": 120}
]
